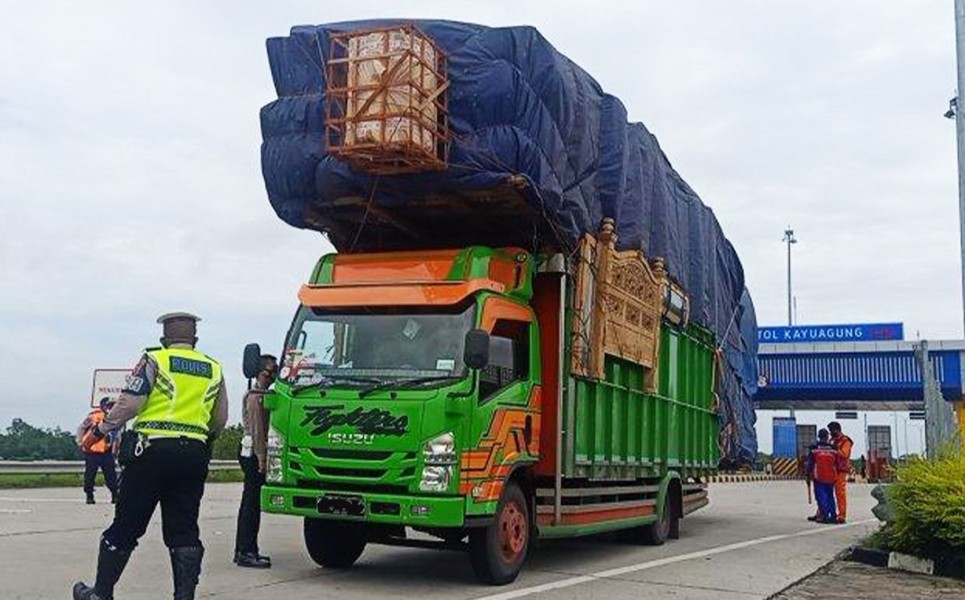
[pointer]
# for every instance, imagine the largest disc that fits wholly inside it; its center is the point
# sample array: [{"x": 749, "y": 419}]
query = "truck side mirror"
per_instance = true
[
  {"x": 251, "y": 363},
  {"x": 476, "y": 355}
]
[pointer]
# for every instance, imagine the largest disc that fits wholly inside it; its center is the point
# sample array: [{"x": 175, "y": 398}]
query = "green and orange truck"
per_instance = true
[{"x": 471, "y": 371}]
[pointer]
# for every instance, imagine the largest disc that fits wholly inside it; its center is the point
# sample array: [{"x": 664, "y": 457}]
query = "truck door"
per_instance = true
[{"x": 505, "y": 425}]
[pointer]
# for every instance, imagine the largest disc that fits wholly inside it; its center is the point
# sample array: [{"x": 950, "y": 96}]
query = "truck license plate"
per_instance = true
[{"x": 346, "y": 506}]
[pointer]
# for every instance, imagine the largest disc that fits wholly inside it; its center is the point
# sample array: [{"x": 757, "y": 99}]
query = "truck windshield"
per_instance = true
[{"x": 366, "y": 346}]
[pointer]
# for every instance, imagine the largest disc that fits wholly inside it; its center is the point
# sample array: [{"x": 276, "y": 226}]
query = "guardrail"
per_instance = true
[{"x": 77, "y": 466}]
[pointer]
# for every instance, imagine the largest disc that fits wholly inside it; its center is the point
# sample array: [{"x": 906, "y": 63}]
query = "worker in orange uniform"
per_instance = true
[
  {"x": 843, "y": 444},
  {"x": 99, "y": 456},
  {"x": 822, "y": 470}
]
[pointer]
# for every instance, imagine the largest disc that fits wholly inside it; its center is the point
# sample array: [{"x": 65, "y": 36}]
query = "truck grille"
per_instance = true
[
  {"x": 354, "y": 473},
  {"x": 354, "y": 469},
  {"x": 339, "y": 454}
]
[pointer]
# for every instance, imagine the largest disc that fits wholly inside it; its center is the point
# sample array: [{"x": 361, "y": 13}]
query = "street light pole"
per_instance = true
[
  {"x": 790, "y": 239},
  {"x": 960, "y": 133}
]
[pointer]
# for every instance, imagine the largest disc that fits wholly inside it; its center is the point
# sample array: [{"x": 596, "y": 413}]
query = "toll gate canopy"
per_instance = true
[{"x": 878, "y": 375}]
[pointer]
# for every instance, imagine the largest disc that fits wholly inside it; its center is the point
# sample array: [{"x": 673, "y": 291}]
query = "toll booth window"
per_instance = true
[{"x": 508, "y": 358}]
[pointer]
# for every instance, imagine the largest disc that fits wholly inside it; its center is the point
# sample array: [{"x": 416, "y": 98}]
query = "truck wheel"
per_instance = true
[
  {"x": 333, "y": 544},
  {"x": 497, "y": 552},
  {"x": 674, "y": 528},
  {"x": 655, "y": 534}
]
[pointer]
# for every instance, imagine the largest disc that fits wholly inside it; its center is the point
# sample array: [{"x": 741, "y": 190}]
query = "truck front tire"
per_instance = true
[
  {"x": 334, "y": 544},
  {"x": 497, "y": 552}
]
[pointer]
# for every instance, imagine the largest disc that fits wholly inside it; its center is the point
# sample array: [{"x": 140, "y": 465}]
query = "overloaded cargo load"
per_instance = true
[{"x": 434, "y": 134}]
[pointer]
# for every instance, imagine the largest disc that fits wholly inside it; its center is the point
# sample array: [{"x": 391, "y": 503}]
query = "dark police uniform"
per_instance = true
[{"x": 177, "y": 398}]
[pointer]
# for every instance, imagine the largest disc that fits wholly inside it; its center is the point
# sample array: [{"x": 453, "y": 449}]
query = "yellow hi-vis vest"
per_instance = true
[{"x": 183, "y": 395}]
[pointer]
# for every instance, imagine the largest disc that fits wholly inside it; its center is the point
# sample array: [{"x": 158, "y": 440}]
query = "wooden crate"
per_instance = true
[{"x": 385, "y": 101}]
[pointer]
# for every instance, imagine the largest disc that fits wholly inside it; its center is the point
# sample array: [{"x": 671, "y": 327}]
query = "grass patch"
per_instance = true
[
  {"x": 226, "y": 476},
  {"x": 11, "y": 481}
]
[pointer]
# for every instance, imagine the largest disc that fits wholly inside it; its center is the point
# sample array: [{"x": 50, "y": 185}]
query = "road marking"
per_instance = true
[
  {"x": 68, "y": 500},
  {"x": 652, "y": 564},
  {"x": 15, "y": 511}
]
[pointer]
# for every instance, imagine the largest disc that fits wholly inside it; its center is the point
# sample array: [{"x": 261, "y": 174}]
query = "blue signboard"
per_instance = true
[{"x": 874, "y": 332}]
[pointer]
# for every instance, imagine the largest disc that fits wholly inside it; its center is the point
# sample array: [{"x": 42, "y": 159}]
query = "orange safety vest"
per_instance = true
[
  {"x": 101, "y": 446},
  {"x": 825, "y": 464}
]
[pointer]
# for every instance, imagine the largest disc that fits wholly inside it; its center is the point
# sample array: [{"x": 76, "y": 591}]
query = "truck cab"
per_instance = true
[{"x": 408, "y": 394}]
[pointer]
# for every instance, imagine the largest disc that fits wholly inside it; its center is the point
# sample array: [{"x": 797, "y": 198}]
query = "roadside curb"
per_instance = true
[{"x": 897, "y": 561}]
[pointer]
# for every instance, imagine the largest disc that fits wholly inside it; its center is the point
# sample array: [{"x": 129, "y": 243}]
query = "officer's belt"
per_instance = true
[{"x": 172, "y": 427}]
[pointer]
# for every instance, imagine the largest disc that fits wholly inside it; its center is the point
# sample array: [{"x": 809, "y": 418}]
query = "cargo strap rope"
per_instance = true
[{"x": 730, "y": 323}]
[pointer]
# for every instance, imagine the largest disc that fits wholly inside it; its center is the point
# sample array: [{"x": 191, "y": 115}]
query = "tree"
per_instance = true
[
  {"x": 23, "y": 441},
  {"x": 226, "y": 446}
]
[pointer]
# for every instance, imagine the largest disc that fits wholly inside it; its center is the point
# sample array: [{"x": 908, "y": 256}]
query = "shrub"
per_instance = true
[{"x": 928, "y": 500}]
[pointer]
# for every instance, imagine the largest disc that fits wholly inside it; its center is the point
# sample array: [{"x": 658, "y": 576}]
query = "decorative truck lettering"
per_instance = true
[{"x": 372, "y": 421}]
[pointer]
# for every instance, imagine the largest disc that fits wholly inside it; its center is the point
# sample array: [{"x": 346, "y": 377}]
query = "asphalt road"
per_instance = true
[{"x": 751, "y": 542}]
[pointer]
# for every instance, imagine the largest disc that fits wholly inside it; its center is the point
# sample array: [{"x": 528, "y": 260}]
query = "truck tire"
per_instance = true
[
  {"x": 497, "y": 552},
  {"x": 333, "y": 544},
  {"x": 674, "y": 528},
  {"x": 655, "y": 534}
]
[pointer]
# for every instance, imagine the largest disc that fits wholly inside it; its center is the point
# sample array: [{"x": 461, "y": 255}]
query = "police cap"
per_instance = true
[{"x": 179, "y": 325}]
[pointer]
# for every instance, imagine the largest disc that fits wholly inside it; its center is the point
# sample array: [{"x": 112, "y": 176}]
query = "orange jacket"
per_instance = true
[
  {"x": 843, "y": 444},
  {"x": 94, "y": 419}
]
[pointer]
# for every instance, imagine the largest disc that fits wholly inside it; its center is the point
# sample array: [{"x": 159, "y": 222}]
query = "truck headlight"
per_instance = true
[
  {"x": 435, "y": 478},
  {"x": 440, "y": 456},
  {"x": 273, "y": 452}
]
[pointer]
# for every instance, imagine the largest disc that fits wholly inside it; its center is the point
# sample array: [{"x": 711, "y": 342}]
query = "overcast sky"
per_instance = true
[{"x": 130, "y": 182}]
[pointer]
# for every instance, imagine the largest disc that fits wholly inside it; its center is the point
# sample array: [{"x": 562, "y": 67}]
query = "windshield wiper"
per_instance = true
[
  {"x": 328, "y": 379},
  {"x": 407, "y": 383}
]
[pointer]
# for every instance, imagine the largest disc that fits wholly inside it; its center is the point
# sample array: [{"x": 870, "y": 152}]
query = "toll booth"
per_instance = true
[
  {"x": 879, "y": 458},
  {"x": 806, "y": 436}
]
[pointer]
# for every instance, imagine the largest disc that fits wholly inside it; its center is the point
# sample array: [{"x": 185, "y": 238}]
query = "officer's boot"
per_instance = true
[
  {"x": 186, "y": 566},
  {"x": 110, "y": 564},
  {"x": 90, "y": 497}
]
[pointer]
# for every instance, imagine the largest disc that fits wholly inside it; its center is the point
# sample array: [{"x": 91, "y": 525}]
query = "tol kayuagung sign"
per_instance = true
[{"x": 874, "y": 332}]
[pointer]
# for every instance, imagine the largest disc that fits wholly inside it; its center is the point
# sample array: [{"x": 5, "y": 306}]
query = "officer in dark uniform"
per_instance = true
[{"x": 176, "y": 396}]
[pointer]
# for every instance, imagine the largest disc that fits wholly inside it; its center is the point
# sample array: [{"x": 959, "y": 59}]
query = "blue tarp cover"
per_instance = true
[{"x": 517, "y": 107}]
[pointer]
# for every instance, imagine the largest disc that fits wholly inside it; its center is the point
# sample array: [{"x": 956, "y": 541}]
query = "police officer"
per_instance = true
[
  {"x": 252, "y": 455},
  {"x": 176, "y": 396}
]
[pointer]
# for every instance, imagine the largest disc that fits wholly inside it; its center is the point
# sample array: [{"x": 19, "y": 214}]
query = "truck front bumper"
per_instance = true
[{"x": 412, "y": 511}]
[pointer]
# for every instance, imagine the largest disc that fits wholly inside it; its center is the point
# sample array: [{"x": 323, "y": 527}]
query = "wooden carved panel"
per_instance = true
[{"x": 618, "y": 307}]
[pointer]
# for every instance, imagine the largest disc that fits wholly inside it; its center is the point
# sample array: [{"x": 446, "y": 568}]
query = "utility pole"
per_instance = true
[
  {"x": 790, "y": 239},
  {"x": 960, "y": 133}
]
